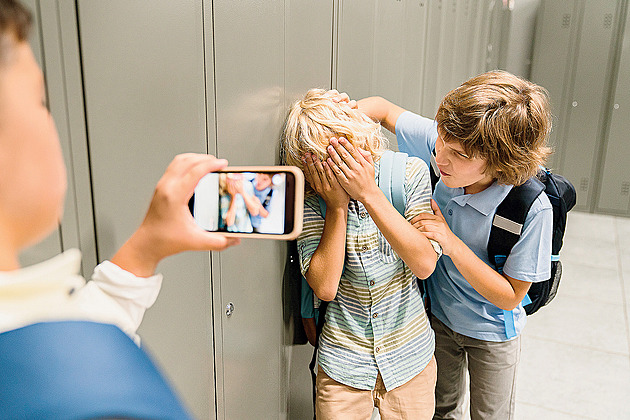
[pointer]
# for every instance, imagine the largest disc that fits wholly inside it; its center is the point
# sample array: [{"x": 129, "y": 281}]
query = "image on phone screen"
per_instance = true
[{"x": 244, "y": 202}]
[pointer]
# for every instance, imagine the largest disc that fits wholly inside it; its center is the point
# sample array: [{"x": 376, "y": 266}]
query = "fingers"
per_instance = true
[
  {"x": 341, "y": 157},
  {"x": 316, "y": 173}
]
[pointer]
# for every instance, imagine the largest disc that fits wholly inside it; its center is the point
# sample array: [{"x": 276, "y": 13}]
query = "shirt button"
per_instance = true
[
  {"x": 364, "y": 248},
  {"x": 377, "y": 349},
  {"x": 363, "y": 215},
  {"x": 375, "y": 315},
  {"x": 450, "y": 212},
  {"x": 372, "y": 282}
]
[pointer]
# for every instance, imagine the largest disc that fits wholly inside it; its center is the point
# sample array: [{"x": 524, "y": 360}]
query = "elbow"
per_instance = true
[
  {"x": 424, "y": 270},
  {"x": 326, "y": 294},
  {"x": 509, "y": 306}
]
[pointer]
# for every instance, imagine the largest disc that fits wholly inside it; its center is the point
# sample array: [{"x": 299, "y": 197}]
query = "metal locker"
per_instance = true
[
  {"x": 445, "y": 82},
  {"x": 614, "y": 193},
  {"x": 432, "y": 62},
  {"x": 462, "y": 52},
  {"x": 588, "y": 97},
  {"x": 355, "y": 48},
  {"x": 145, "y": 93},
  {"x": 250, "y": 110},
  {"x": 554, "y": 49},
  {"x": 414, "y": 47}
]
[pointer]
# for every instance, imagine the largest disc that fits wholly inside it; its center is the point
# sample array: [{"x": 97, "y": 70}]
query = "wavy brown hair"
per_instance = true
[
  {"x": 501, "y": 118},
  {"x": 15, "y": 21}
]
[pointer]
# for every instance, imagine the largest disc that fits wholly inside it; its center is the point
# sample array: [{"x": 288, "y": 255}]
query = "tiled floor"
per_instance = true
[
  {"x": 575, "y": 352},
  {"x": 575, "y": 355}
]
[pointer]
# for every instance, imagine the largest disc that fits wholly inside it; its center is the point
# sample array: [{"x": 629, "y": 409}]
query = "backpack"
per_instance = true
[
  {"x": 307, "y": 310},
  {"x": 508, "y": 222}
]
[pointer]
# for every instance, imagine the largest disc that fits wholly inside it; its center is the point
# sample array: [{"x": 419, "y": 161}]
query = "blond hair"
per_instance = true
[
  {"x": 314, "y": 119},
  {"x": 502, "y": 118}
]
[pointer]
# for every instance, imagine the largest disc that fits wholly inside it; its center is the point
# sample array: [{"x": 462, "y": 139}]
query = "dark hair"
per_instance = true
[
  {"x": 502, "y": 118},
  {"x": 15, "y": 20}
]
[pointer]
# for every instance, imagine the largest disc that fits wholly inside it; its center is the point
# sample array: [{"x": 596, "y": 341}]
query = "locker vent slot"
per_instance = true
[
  {"x": 625, "y": 188},
  {"x": 584, "y": 184},
  {"x": 566, "y": 20},
  {"x": 608, "y": 18}
]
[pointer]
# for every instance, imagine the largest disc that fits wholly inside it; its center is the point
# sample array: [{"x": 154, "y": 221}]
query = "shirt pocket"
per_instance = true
[{"x": 386, "y": 252}]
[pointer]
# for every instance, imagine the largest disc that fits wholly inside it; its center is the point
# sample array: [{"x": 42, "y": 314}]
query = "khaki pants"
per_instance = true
[
  {"x": 492, "y": 369},
  {"x": 413, "y": 400}
]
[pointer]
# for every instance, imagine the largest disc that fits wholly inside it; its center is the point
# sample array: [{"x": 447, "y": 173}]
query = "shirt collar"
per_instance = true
[
  {"x": 484, "y": 201},
  {"x": 58, "y": 274}
]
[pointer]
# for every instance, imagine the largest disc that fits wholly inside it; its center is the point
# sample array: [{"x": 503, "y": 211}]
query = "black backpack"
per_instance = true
[
  {"x": 510, "y": 217},
  {"x": 513, "y": 210}
]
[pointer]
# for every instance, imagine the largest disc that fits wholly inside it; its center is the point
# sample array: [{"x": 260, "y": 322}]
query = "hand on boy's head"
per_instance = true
[
  {"x": 168, "y": 227},
  {"x": 342, "y": 98}
]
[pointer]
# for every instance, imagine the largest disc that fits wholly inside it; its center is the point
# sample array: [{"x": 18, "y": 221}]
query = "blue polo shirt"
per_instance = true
[{"x": 469, "y": 216}]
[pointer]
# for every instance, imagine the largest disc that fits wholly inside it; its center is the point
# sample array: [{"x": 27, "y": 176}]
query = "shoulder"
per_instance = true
[{"x": 416, "y": 167}]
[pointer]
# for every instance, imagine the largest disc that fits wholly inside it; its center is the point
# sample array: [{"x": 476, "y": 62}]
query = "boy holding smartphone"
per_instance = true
[{"x": 32, "y": 190}]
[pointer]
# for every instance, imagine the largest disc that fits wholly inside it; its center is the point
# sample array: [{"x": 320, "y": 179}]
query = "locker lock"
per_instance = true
[{"x": 229, "y": 309}]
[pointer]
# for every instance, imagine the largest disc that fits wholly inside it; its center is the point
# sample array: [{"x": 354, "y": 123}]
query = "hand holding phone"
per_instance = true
[{"x": 251, "y": 202}]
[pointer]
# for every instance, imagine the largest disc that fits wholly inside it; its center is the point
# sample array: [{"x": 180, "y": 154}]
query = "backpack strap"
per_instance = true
[
  {"x": 434, "y": 171},
  {"x": 507, "y": 226}
]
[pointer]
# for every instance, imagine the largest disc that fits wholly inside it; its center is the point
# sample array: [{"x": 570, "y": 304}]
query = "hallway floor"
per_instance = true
[{"x": 575, "y": 352}]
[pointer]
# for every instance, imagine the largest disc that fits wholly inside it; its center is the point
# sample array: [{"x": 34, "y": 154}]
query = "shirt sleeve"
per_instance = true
[
  {"x": 416, "y": 135},
  {"x": 418, "y": 192},
  {"x": 530, "y": 258},
  {"x": 312, "y": 230},
  {"x": 120, "y": 295}
]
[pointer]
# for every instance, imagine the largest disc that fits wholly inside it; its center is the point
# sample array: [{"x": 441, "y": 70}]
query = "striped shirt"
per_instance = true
[{"x": 377, "y": 322}]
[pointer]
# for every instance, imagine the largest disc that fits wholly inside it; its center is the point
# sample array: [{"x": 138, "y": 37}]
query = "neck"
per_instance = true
[
  {"x": 8, "y": 259},
  {"x": 478, "y": 186},
  {"x": 8, "y": 251}
]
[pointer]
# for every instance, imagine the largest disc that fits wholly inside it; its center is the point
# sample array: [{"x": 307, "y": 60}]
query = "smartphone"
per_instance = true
[{"x": 251, "y": 202}]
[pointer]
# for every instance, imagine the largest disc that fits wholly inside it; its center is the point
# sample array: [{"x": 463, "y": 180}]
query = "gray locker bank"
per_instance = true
[{"x": 133, "y": 83}]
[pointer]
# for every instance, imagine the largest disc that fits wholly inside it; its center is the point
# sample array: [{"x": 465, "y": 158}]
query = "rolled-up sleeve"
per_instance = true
[{"x": 312, "y": 230}]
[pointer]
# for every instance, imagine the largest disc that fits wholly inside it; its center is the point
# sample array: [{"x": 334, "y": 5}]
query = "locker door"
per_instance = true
[
  {"x": 145, "y": 96},
  {"x": 355, "y": 47},
  {"x": 432, "y": 58},
  {"x": 554, "y": 48},
  {"x": 614, "y": 194},
  {"x": 585, "y": 116},
  {"x": 250, "y": 110},
  {"x": 381, "y": 48}
]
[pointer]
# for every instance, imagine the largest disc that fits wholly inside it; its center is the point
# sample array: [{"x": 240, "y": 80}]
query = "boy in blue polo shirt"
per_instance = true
[{"x": 489, "y": 134}]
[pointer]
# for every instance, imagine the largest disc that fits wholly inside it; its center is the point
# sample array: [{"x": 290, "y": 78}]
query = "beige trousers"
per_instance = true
[{"x": 413, "y": 400}]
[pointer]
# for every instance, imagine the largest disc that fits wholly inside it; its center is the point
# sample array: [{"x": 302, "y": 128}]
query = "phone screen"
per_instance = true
[{"x": 245, "y": 202}]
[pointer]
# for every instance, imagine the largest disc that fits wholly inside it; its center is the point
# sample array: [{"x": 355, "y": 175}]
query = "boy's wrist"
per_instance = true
[{"x": 137, "y": 256}]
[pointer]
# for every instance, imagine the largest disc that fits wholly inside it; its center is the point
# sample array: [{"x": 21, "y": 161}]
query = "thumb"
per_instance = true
[{"x": 436, "y": 208}]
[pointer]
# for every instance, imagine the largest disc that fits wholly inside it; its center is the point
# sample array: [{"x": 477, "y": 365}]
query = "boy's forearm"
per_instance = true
[
  {"x": 381, "y": 110},
  {"x": 500, "y": 291},
  {"x": 410, "y": 244},
  {"x": 327, "y": 261}
]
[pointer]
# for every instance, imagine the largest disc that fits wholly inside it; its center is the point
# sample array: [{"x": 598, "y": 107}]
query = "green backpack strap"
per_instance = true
[{"x": 391, "y": 180}]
